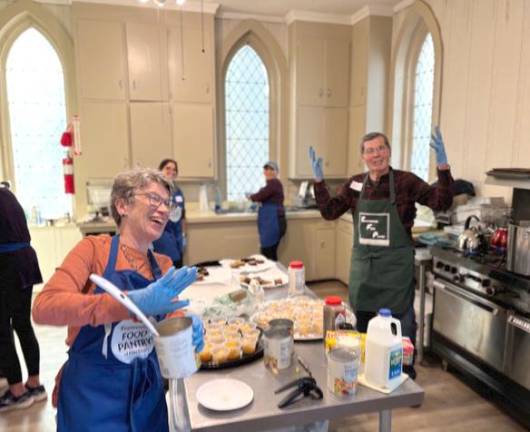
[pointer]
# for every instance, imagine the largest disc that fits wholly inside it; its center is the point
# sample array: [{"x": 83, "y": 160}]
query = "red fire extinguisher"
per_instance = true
[
  {"x": 68, "y": 171},
  {"x": 68, "y": 162}
]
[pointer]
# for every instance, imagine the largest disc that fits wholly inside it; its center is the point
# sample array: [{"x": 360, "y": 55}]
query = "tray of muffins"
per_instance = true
[{"x": 230, "y": 343}]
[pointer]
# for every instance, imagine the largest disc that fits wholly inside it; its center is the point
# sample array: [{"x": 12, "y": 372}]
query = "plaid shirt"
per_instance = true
[{"x": 410, "y": 189}]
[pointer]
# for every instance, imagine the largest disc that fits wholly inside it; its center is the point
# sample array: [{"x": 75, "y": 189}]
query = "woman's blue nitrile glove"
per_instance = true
[
  {"x": 159, "y": 297},
  {"x": 437, "y": 144},
  {"x": 198, "y": 332},
  {"x": 316, "y": 165}
]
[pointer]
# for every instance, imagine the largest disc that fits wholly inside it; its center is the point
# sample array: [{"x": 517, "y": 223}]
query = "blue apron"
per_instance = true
[
  {"x": 111, "y": 380},
  {"x": 268, "y": 226},
  {"x": 170, "y": 242},
  {"x": 12, "y": 247}
]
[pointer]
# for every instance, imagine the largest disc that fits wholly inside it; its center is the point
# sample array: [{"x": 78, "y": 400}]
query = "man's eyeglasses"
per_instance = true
[
  {"x": 372, "y": 150},
  {"x": 156, "y": 200}
]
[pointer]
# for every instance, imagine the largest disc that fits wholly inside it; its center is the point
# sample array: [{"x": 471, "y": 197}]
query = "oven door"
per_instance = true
[
  {"x": 471, "y": 322},
  {"x": 518, "y": 350}
]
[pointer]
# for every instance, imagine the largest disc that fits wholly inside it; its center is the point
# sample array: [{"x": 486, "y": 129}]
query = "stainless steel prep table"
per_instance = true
[{"x": 263, "y": 412}]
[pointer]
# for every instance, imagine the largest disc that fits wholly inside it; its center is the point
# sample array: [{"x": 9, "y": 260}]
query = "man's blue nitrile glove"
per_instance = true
[
  {"x": 316, "y": 165},
  {"x": 437, "y": 144},
  {"x": 159, "y": 297},
  {"x": 198, "y": 332}
]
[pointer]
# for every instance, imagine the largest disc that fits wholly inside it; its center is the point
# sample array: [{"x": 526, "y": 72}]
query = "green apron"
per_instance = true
[{"x": 382, "y": 260}]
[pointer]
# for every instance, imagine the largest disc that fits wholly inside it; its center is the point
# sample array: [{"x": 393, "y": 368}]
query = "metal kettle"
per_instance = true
[{"x": 471, "y": 240}]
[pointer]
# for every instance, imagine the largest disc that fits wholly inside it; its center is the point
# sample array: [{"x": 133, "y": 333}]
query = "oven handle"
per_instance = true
[
  {"x": 523, "y": 324},
  {"x": 464, "y": 295}
]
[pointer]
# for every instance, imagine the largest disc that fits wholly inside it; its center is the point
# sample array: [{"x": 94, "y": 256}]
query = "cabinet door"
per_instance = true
[
  {"x": 150, "y": 133},
  {"x": 147, "y": 78},
  {"x": 193, "y": 139},
  {"x": 335, "y": 151},
  {"x": 337, "y": 72},
  {"x": 357, "y": 129},
  {"x": 325, "y": 252},
  {"x": 359, "y": 62},
  {"x": 309, "y": 133},
  {"x": 191, "y": 71},
  {"x": 310, "y": 67},
  {"x": 104, "y": 139},
  {"x": 344, "y": 243},
  {"x": 100, "y": 50}
]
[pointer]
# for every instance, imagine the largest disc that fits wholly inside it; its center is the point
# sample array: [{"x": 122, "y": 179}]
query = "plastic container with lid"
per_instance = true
[
  {"x": 384, "y": 351},
  {"x": 334, "y": 313},
  {"x": 296, "y": 278}
]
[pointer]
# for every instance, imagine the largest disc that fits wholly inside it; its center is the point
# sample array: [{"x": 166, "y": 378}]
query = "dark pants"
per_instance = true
[
  {"x": 178, "y": 263},
  {"x": 408, "y": 328},
  {"x": 271, "y": 252},
  {"x": 15, "y": 315}
]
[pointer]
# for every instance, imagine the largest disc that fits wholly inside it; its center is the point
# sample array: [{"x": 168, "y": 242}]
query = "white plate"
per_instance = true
[
  {"x": 224, "y": 394},
  {"x": 267, "y": 264},
  {"x": 118, "y": 294}
]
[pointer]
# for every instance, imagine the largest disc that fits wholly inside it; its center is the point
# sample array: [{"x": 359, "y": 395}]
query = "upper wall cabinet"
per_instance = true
[
  {"x": 322, "y": 71},
  {"x": 100, "y": 52},
  {"x": 191, "y": 68},
  {"x": 146, "y": 56}
]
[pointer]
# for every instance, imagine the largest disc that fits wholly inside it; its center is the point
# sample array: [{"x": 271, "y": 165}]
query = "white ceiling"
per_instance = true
[{"x": 282, "y": 7}]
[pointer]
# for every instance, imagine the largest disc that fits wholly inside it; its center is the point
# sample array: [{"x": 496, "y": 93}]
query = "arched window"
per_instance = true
[
  {"x": 247, "y": 122},
  {"x": 422, "y": 110},
  {"x": 37, "y": 116}
]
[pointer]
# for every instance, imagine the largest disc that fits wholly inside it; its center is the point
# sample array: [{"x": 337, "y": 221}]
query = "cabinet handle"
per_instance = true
[
  {"x": 322, "y": 245},
  {"x": 329, "y": 92},
  {"x": 207, "y": 89},
  {"x": 120, "y": 84},
  {"x": 209, "y": 164},
  {"x": 134, "y": 84},
  {"x": 321, "y": 92}
]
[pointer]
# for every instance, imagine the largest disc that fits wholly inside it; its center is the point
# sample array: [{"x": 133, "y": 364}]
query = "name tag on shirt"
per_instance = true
[
  {"x": 179, "y": 199},
  {"x": 356, "y": 186}
]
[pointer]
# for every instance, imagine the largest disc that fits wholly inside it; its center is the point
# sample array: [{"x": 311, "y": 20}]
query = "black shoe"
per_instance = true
[
  {"x": 38, "y": 393},
  {"x": 410, "y": 371},
  {"x": 10, "y": 402}
]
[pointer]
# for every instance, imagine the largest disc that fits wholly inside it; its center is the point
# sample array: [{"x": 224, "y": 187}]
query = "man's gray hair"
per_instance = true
[
  {"x": 373, "y": 135},
  {"x": 126, "y": 183}
]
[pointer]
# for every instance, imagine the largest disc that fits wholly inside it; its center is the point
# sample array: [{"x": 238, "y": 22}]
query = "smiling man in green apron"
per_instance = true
[{"x": 382, "y": 202}]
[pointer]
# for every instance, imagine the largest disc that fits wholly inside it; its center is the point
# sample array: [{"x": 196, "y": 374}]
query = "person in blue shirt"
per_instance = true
[{"x": 173, "y": 240}]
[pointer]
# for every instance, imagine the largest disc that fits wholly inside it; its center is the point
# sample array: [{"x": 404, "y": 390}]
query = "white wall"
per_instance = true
[{"x": 485, "y": 103}]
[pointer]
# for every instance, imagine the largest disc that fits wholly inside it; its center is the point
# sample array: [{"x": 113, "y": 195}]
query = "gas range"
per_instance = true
[{"x": 485, "y": 275}]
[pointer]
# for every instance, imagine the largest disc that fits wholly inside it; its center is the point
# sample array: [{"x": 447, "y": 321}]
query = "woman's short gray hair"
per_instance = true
[{"x": 127, "y": 182}]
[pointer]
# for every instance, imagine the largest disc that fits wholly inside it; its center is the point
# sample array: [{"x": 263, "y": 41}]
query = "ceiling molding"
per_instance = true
[
  {"x": 245, "y": 16},
  {"x": 402, "y": 5},
  {"x": 373, "y": 10},
  {"x": 189, "y": 6},
  {"x": 59, "y": 2},
  {"x": 298, "y": 15}
]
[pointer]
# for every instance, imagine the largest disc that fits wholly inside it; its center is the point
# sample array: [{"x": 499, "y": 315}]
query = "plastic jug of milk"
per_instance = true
[{"x": 384, "y": 351}]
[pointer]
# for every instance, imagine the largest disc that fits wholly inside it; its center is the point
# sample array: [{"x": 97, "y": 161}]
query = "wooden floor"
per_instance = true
[{"x": 450, "y": 406}]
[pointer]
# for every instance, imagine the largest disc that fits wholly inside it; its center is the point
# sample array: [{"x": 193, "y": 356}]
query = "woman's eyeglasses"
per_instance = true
[{"x": 156, "y": 200}]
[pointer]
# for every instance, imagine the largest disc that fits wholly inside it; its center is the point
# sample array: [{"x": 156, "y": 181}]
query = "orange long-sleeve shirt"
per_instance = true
[{"x": 68, "y": 299}]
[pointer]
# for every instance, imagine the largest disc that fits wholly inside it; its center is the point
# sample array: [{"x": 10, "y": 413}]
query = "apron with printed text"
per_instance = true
[
  {"x": 382, "y": 261},
  {"x": 111, "y": 380}
]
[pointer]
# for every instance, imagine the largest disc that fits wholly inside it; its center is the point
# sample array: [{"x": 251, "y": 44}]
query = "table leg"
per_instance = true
[
  {"x": 421, "y": 319},
  {"x": 385, "y": 421}
]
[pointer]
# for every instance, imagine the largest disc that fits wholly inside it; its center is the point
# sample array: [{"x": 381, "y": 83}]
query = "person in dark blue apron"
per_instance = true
[
  {"x": 272, "y": 224},
  {"x": 19, "y": 271},
  {"x": 111, "y": 380},
  {"x": 382, "y": 202},
  {"x": 172, "y": 242}
]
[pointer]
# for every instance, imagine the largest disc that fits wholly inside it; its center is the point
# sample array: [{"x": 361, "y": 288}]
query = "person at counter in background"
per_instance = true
[
  {"x": 272, "y": 224},
  {"x": 111, "y": 380},
  {"x": 382, "y": 202},
  {"x": 172, "y": 242},
  {"x": 19, "y": 271}
]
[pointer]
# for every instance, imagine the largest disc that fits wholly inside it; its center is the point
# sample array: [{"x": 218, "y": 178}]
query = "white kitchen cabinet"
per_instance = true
[
  {"x": 191, "y": 70},
  {"x": 344, "y": 243},
  {"x": 326, "y": 130},
  {"x": 101, "y": 60},
  {"x": 150, "y": 133},
  {"x": 193, "y": 127},
  {"x": 324, "y": 250},
  {"x": 105, "y": 139},
  {"x": 147, "y": 64},
  {"x": 322, "y": 71},
  {"x": 52, "y": 244}
]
